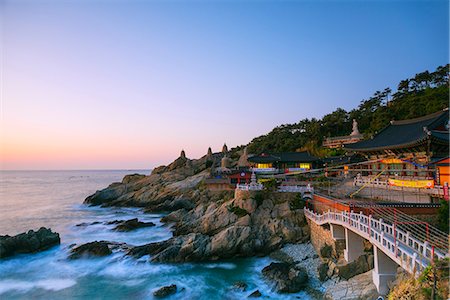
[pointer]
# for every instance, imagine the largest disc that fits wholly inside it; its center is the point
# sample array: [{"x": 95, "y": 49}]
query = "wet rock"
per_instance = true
[
  {"x": 287, "y": 278},
  {"x": 165, "y": 291},
  {"x": 29, "y": 242},
  {"x": 87, "y": 224},
  {"x": 131, "y": 224},
  {"x": 255, "y": 294},
  {"x": 91, "y": 249},
  {"x": 240, "y": 285},
  {"x": 282, "y": 256}
]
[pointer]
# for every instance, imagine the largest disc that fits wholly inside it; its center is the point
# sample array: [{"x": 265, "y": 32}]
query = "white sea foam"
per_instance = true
[
  {"x": 227, "y": 266},
  {"x": 24, "y": 286}
]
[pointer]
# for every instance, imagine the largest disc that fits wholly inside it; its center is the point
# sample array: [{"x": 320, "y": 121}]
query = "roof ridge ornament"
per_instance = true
[{"x": 425, "y": 129}]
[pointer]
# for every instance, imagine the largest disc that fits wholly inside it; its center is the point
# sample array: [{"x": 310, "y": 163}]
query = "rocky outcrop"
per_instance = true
[
  {"x": 344, "y": 270},
  {"x": 357, "y": 288},
  {"x": 240, "y": 286},
  {"x": 96, "y": 248},
  {"x": 29, "y": 242},
  {"x": 207, "y": 225},
  {"x": 363, "y": 264},
  {"x": 286, "y": 278},
  {"x": 156, "y": 191},
  {"x": 165, "y": 291},
  {"x": 255, "y": 294},
  {"x": 214, "y": 231},
  {"x": 129, "y": 225}
]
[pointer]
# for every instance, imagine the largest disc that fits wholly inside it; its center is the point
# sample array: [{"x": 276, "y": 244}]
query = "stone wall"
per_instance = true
[{"x": 321, "y": 236}]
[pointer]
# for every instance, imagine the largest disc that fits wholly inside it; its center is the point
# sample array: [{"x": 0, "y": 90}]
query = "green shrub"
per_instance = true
[
  {"x": 208, "y": 164},
  {"x": 259, "y": 198},
  {"x": 240, "y": 212},
  {"x": 443, "y": 216},
  {"x": 298, "y": 202},
  {"x": 270, "y": 184},
  {"x": 326, "y": 251}
]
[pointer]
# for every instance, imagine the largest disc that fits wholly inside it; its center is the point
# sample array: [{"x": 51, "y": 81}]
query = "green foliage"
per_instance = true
[
  {"x": 443, "y": 216},
  {"x": 270, "y": 184},
  {"x": 423, "y": 94},
  {"x": 240, "y": 212},
  {"x": 297, "y": 203},
  {"x": 259, "y": 197},
  {"x": 326, "y": 251},
  {"x": 208, "y": 164},
  {"x": 433, "y": 283}
]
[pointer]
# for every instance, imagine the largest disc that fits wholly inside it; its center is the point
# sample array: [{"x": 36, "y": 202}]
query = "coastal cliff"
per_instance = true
[
  {"x": 233, "y": 228},
  {"x": 167, "y": 188},
  {"x": 208, "y": 225}
]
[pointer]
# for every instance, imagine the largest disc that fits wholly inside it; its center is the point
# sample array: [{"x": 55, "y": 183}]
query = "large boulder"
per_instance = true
[
  {"x": 359, "y": 287},
  {"x": 29, "y": 242},
  {"x": 165, "y": 291},
  {"x": 286, "y": 277},
  {"x": 363, "y": 264},
  {"x": 96, "y": 248},
  {"x": 131, "y": 224}
]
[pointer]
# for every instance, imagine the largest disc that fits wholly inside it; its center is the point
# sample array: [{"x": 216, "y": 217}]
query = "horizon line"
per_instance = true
[{"x": 49, "y": 170}]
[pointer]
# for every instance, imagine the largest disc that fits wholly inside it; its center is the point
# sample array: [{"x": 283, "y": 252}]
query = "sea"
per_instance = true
[{"x": 54, "y": 199}]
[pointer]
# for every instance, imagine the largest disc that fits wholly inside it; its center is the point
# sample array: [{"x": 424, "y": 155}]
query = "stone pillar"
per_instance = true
[
  {"x": 354, "y": 245},
  {"x": 384, "y": 271},
  {"x": 337, "y": 231}
]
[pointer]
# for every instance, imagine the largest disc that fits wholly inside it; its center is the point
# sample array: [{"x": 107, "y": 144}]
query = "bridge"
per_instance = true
[{"x": 393, "y": 245}]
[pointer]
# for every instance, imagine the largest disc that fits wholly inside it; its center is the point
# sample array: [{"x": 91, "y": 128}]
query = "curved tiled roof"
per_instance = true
[
  {"x": 283, "y": 157},
  {"x": 406, "y": 133}
]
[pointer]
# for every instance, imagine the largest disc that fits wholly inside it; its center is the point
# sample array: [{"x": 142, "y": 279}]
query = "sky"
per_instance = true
[{"x": 128, "y": 84}]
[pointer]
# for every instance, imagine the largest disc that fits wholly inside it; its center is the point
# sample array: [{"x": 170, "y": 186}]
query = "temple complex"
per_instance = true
[{"x": 407, "y": 148}]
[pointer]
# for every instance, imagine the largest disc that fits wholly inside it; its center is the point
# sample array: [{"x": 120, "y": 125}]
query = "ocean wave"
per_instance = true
[{"x": 46, "y": 284}]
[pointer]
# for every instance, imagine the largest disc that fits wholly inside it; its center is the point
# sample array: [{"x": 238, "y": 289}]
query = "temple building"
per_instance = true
[
  {"x": 406, "y": 149},
  {"x": 442, "y": 171},
  {"x": 283, "y": 162},
  {"x": 340, "y": 141}
]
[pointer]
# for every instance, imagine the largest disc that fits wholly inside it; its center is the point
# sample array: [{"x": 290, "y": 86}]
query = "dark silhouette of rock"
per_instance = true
[
  {"x": 240, "y": 285},
  {"x": 29, "y": 242},
  {"x": 87, "y": 224},
  {"x": 91, "y": 249},
  {"x": 255, "y": 294},
  {"x": 171, "y": 205},
  {"x": 165, "y": 291},
  {"x": 287, "y": 278},
  {"x": 128, "y": 225}
]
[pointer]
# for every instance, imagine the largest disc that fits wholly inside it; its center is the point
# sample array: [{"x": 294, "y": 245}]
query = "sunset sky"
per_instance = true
[{"x": 128, "y": 84}]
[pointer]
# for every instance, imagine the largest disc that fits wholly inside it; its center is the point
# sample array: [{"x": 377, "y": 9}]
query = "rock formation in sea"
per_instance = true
[
  {"x": 28, "y": 242},
  {"x": 207, "y": 225}
]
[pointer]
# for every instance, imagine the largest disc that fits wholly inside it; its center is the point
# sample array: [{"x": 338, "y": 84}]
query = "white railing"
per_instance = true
[
  {"x": 250, "y": 187},
  {"x": 295, "y": 189},
  {"x": 408, "y": 252},
  {"x": 265, "y": 170}
]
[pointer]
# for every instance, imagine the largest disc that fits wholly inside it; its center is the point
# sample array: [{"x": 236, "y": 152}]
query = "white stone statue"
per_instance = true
[{"x": 355, "y": 130}]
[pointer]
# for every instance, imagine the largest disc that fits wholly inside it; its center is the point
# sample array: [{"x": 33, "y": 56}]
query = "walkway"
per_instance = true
[{"x": 391, "y": 244}]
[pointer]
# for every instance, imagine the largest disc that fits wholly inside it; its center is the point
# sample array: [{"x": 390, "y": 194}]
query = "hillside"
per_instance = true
[{"x": 422, "y": 94}]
